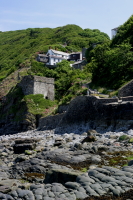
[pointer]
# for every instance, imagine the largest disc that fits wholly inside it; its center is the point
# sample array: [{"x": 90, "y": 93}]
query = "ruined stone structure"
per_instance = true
[
  {"x": 126, "y": 90},
  {"x": 38, "y": 85}
]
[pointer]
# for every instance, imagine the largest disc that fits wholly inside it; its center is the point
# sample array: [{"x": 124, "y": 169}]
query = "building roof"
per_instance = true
[
  {"x": 115, "y": 28},
  {"x": 53, "y": 56},
  {"x": 42, "y": 55},
  {"x": 60, "y": 52},
  {"x": 79, "y": 62},
  {"x": 75, "y": 53}
]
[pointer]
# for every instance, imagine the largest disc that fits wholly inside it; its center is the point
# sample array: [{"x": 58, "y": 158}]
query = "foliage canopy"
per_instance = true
[
  {"x": 17, "y": 48},
  {"x": 111, "y": 63}
]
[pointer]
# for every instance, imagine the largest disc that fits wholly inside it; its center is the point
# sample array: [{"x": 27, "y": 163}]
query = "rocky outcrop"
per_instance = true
[
  {"x": 9, "y": 126},
  {"x": 89, "y": 112},
  {"x": 14, "y": 114},
  {"x": 65, "y": 172},
  {"x": 50, "y": 122},
  {"x": 21, "y": 145},
  {"x": 126, "y": 90}
]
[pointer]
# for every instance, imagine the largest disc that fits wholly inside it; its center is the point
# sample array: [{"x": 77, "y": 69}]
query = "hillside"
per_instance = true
[
  {"x": 111, "y": 63},
  {"x": 18, "y": 47},
  {"x": 124, "y": 33}
]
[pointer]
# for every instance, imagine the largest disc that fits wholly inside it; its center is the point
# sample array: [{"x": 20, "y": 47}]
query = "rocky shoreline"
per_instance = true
[{"x": 39, "y": 165}]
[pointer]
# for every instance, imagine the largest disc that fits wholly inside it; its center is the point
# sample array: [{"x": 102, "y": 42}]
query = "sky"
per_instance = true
[{"x": 94, "y": 14}]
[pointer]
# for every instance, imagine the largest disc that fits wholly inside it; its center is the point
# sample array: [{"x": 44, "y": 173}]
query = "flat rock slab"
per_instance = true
[
  {"x": 21, "y": 148},
  {"x": 61, "y": 176}
]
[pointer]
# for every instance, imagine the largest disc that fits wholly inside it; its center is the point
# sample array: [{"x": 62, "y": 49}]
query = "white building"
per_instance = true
[
  {"x": 114, "y": 32},
  {"x": 56, "y": 56},
  {"x": 52, "y": 57}
]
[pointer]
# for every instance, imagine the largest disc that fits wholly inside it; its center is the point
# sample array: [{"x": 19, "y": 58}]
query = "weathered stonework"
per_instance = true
[
  {"x": 38, "y": 85},
  {"x": 126, "y": 90},
  {"x": 129, "y": 98}
]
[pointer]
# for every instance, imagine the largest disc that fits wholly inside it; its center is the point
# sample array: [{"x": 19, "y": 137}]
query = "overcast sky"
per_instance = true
[{"x": 94, "y": 14}]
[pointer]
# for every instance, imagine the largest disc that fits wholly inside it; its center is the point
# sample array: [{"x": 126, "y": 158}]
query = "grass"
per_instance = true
[
  {"x": 113, "y": 93},
  {"x": 38, "y": 105},
  {"x": 84, "y": 169},
  {"x": 27, "y": 152},
  {"x": 130, "y": 140},
  {"x": 130, "y": 158},
  {"x": 19, "y": 106}
]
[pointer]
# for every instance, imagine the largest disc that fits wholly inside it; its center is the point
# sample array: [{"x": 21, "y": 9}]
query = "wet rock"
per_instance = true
[
  {"x": 60, "y": 176},
  {"x": 24, "y": 144},
  {"x": 12, "y": 184},
  {"x": 72, "y": 185},
  {"x": 130, "y": 163},
  {"x": 96, "y": 159},
  {"x": 5, "y": 189},
  {"x": 78, "y": 146},
  {"x": 89, "y": 138}
]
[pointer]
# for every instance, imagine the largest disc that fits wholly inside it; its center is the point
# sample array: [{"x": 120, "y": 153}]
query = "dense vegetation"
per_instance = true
[
  {"x": 17, "y": 48},
  {"x": 66, "y": 78},
  {"x": 111, "y": 63}
]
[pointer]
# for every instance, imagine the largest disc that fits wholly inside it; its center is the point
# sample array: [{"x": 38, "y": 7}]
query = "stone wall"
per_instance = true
[
  {"x": 27, "y": 85},
  {"x": 129, "y": 98},
  {"x": 38, "y": 85},
  {"x": 106, "y": 100},
  {"x": 126, "y": 90}
]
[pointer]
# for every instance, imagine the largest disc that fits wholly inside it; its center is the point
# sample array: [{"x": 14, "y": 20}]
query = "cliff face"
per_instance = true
[
  {"x": 14, "y": 115},
  {"x": 88, "y": 112},
  {"x": 126, "y": 90}
]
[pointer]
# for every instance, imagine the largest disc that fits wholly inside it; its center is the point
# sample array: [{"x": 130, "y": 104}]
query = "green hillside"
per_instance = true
[
  {"x": 124, "y": 34},
  {"x": 17, "y": 48},
  {"x": 111, "y": 63}
]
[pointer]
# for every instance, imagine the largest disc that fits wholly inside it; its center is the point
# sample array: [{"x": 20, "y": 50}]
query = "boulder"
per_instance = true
[
  {"x": 130, "y": 163},
  {"x": 24, "y": 144},
  {"x": 89, "y": 138},
  {"x": 9, "y": 184},
  {"x": 61, "y": 176},
  {"x": 91, "y": 132},
  {"x": 5, "y": 189},
  {"x": 20, "y": 148}
]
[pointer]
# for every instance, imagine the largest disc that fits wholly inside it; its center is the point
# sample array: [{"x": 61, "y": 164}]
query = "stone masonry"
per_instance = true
[
  {"x": 126, "y": 90},
  {"x": 38, "y": 85}
]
